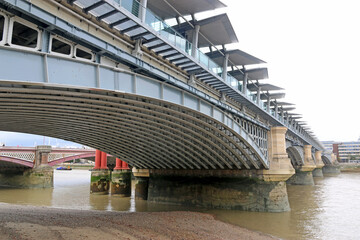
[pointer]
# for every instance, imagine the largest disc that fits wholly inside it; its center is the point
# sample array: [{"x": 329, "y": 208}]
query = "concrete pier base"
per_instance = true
[
  {"x": 318, "y": 172},
  {"x": 100, "y": 181},
  {"x": 141, "y": 188},
  {"x": 331, "y": 169},
  {"x": 242, "y": 193},
  {"x": 121, "y": 183},
  {"x": 41, "y": 177},
  {"x": 301, "y": 178}
]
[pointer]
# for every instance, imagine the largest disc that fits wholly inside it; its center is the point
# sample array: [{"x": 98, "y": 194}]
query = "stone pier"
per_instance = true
[
  {"x": 319, "y": 165},
  {"x": 121, "y": 179},
  {"x": 251, "y": 190},
  {"x": 303, "y": 175},
  {"x": 100, "y": 181},
  {"x": 41, "y": 176},
  {"x": 333, "y": 168},
  {"x": 100, "y": 175},
  {"x": 141, "y": 183}
]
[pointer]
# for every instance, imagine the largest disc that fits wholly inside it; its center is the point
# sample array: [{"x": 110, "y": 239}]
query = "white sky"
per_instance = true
[{"x": 312, "y": 48}]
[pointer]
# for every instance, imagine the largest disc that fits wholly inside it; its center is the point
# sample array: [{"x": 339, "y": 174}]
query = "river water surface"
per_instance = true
[{"x": 328, "y": 210}]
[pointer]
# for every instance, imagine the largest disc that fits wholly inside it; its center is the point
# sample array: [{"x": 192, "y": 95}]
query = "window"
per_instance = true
[
  {"x": 2, "y": 26},
  {"x": 80, "y": 53},
  {"x": 24, "y": 36},
  {"x": 61, "y": 47}
]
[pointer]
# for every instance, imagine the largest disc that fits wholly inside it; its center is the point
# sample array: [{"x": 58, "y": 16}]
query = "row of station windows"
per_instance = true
[{"x": 17, "y": 32}]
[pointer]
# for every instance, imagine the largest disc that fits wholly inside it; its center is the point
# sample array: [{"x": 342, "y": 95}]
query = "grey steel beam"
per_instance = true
[
  {"x": 171, "y": 55},
  {"x": 140, "y": 35},
  {"x": 130, "y": 29},
  {"x": 157, "y": 45},
  {"x": 118, "y": 22},
  {"x": 165, "y": 50},
  {"x": 91, "y": 7},
  {"x": 108, "y": 14}
]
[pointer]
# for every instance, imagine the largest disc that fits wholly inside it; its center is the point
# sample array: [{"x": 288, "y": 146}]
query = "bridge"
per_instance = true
[
  {"x": 21, "y": 158},
  {"x": 116, "y": 76}
]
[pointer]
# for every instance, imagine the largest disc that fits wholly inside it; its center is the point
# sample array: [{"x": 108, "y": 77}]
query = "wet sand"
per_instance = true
[{"x": 30, "y": 222}]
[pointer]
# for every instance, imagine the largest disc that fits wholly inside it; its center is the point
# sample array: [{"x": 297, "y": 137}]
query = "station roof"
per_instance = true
[
  {"x": 184, "y": 7},
  {"x": 283, "y": 103},
  {"x": 236, "y": 58},
  {"x": 264, "y": 87},
  {"x": 217, "y": 29},
  {"x": 272, "y": 96},
  {"x": 253, "y": 74},
  {"x": 294, "y": 114},
  {"x": 288, "y": 109}
]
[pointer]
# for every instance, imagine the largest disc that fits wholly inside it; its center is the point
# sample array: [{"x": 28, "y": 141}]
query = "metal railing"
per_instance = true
[{"x": 175, "y": 38}]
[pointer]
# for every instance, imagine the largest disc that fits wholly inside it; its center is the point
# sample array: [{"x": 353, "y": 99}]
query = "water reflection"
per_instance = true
[{"x": 328, "y": 210}]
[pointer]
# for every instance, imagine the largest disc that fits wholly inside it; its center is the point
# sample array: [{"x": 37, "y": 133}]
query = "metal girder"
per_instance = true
[
  {"x": 118, "y": 22},
  {"x": 206, "y": 78},
  {"x": 157, "y": 45},
  {"x": 184, "y": 63},
  {"x": 177, "y": 59},
  {"x": 91, "y": 7},
  {"x": 108, "y": 14},
  {"x": 191, "y": 66},
  {"x": 194, "y": 70},
  {"x": 150, "y": 40},
  {"x": 130, "y": 29},
  {"x": 140, "y": 35},
  {"x": 165, "y": 50},
  {"x": 171, "y": 55}
]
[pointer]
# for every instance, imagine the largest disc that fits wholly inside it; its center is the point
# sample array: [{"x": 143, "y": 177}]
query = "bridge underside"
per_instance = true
[
  {"x": 145, "y": 132},
  {"x": 12, "y": 166}
]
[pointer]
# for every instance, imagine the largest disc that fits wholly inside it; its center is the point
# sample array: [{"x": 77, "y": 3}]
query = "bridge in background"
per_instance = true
[
  {"x": 166, "y": 99},
  {"x": 21, "y": 158}
]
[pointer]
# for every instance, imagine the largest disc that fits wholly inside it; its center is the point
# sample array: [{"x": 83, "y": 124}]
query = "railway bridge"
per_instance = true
[{"x": 154, "y": 86}]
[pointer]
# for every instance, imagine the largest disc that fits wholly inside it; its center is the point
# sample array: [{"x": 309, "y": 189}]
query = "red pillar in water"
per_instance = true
[
  {"x": 97, "y": 159},
  {"x": 118, "y": 164},
  {"x": 103, "y": 160},
  {"x": 125, "y": 166}
]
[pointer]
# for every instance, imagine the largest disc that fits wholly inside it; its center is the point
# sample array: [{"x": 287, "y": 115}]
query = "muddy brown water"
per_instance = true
[{"x": 328, "y": 210}]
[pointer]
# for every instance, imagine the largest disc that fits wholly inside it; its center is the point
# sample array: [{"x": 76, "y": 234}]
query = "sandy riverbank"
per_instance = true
[{"x": 30, "y": 222}]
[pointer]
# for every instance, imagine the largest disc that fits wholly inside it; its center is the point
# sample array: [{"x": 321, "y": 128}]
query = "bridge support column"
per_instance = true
[
  {"x": 304, "y": 174},
  {"x": 141, "y": 183},
  {"x": 319, "y": 165},
  {"x": 251, "y": 190},
  {"x": 121, "y": 179},
  {"x": 100, "y": 178},
  {"x": 41, "y": 176},
  {"x": 332, "y": 168}
]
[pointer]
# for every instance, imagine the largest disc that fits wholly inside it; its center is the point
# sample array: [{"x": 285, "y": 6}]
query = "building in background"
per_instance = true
[{"x": 345, "y": 151}]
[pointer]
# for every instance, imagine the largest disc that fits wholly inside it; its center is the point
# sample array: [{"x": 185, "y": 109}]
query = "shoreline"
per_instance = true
[{"x": 34, "y": 222}]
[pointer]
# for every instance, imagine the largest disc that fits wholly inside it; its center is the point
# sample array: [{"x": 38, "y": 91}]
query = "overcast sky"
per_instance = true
[{"x": 312, "y": 48}]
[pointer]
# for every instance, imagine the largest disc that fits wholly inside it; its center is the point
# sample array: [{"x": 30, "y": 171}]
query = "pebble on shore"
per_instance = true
[{"x": 31, "y": 222}]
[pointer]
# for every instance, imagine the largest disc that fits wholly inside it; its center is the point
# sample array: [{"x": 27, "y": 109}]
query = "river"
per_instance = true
[{"x": 328, "y": 210}]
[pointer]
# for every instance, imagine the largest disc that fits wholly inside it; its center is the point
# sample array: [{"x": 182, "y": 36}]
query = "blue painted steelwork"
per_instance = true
[
  {"x": 120, "y": 55},
  {"x": 78, "y": 73}
]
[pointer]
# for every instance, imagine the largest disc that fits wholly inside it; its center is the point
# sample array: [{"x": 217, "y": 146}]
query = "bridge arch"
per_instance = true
[
  {"x": 296, "y": 155},
  {"x": 326, "y": 159},
  {"x": 143, "y": 131},
  {"x": 16, "y": 162},
  {"x": 70, "y": 158}
]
